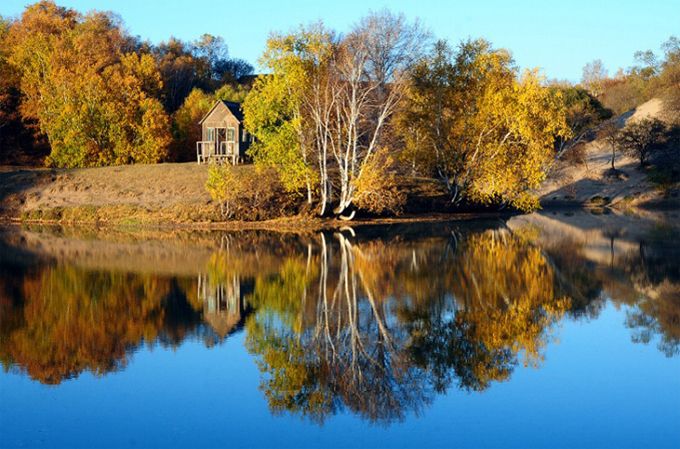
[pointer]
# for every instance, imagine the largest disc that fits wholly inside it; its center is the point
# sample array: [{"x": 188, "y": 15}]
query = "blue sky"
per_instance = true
[{"x": 558, "y": 37}]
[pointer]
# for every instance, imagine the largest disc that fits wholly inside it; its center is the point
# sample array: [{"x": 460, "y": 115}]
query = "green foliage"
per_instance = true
[
  {"x": 232, "y": 92},
  {"x": 583, "y": 110},
  {"x": 272, "y": 116}
]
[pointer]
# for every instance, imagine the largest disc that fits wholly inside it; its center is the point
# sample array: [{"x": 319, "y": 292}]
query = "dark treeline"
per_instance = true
[{"x": 80, "y": 88}]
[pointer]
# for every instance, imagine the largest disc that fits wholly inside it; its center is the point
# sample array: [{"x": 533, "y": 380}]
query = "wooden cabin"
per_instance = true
[{"x": 223, "y": 137}]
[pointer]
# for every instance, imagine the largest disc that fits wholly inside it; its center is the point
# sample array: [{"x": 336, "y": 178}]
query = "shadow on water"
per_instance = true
[{"x": 377, "y": 321}]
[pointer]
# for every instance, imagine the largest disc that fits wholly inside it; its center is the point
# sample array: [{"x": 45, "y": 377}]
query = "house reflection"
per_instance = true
[{"x": 224, "y": 306}]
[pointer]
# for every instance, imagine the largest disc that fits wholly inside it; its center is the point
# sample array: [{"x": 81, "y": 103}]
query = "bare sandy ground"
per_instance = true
[
  {"x": 154, "y": 185},
  {"x": 588, "y": 183}
]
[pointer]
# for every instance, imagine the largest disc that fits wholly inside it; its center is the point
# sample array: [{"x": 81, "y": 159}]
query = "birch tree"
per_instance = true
[
  {"x": 328, "y": 100},
  {"x": 277, "y": 110},
  {"x": 372, "y": 67}
]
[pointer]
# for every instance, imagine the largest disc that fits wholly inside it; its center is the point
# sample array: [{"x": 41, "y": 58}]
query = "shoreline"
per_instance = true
[
  {"x": 173, "y": 196},
  {"x": 285, "y": 224}
]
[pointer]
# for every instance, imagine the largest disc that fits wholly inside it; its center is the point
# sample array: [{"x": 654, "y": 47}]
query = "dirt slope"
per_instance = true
[
  {"x": 171, "y": 187},
  {"x": 587, "y": 184}
]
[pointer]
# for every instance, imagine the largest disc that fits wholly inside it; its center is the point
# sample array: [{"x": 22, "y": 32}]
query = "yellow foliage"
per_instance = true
[
  {"x": 248, "y": 194},
  {"x": 476, "y": 125},
  {"x": 96, "y": 103},
  {"x": 376, "y": 188}
]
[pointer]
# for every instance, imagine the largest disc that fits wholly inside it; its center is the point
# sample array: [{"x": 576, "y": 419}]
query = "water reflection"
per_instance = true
[{"x": 377, "y": 322}]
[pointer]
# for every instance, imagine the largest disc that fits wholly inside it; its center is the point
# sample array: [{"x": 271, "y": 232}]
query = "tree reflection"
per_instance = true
[
  {"x": 73, "y": 321},
  {"x": 654, "y": 272},
  {"x": 643, "y": 274},
  {"x": 63, "y": 320},
  {"x": 378, "y": 328}
]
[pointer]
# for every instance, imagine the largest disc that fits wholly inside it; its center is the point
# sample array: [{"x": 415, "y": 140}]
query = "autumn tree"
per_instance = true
[
  {"x": 650, "y": 76},
  {"x": 373, "y": 65},
  {"x": 274, "y": 108},
  {"x": 185, "y": 128},
  {"x": 642, "y": 138},
  {"x": 594, "y": 74},
  {"x": 669, "y": 78},
  {"x": 324, "y": 109},
  {"x": 377, "y": 187},
  {"x": 203, "y": 64},
  {"x": 478, "y": 126},
  {"x": 180, "y": 70},
  {"x": 15, "y": 136},
  {"x": 93, "y": 97},
  {"x": 222, "y": 69}
]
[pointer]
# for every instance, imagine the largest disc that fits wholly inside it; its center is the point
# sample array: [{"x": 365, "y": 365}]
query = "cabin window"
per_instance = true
[
  {"x": 211, "y": 134},
  {"x": 231, "y": 132}
]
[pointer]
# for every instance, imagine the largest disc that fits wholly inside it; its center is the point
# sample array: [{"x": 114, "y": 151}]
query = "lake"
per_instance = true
[{"x": 557, "y": 329}]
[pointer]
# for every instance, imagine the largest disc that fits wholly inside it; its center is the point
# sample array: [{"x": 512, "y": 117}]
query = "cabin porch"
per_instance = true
[{"x": 220, "y": 146}]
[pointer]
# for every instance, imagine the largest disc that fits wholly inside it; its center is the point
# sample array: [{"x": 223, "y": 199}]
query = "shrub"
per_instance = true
[
  {"x": 642, "y": 138},
  {"x": 248, "y": 193},
  {"x": 377, "y": 188}
]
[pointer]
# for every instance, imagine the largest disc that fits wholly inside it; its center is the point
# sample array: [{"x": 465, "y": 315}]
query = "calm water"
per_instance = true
[{"x": 551, "y": 330}]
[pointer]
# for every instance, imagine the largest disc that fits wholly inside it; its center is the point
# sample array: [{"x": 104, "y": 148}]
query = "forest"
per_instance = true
[{"x": 344, "y": 121}]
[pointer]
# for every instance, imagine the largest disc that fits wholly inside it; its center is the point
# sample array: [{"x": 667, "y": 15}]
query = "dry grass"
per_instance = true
[
  {"x": 167, "y": 195},
  {"x": 131, "y": 195}
]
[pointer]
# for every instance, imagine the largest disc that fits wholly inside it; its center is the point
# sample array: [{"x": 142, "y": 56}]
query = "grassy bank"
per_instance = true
[
  {"x": 174, "y": 195},
  {"x": 165, "y": 195}
]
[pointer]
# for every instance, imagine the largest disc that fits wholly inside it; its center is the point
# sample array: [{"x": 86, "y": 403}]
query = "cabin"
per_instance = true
[{"x": 223, "y": 138}]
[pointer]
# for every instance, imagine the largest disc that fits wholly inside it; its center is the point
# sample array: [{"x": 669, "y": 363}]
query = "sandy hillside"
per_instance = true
[
  {"x": 587, "y": 183},
  {"x": 148, "y": 186}
]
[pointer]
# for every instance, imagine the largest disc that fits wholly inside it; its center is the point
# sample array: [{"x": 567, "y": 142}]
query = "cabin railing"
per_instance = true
[{"x": 207, "y": 150}]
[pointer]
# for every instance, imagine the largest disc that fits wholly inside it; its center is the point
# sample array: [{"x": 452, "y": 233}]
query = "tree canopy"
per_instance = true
[{"x": 99, "y": 95}]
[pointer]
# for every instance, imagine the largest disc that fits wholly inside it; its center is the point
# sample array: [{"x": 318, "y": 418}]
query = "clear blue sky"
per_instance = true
[{"x": 559, "y": 37}]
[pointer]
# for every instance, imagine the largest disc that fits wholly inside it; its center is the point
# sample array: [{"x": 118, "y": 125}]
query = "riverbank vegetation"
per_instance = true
[
  {"x": 380, "y": 119},
  {"x": 338, "y": 113}
]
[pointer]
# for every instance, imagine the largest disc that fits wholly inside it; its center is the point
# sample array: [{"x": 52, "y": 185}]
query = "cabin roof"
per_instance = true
[{"x": 234, "y": 108}]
